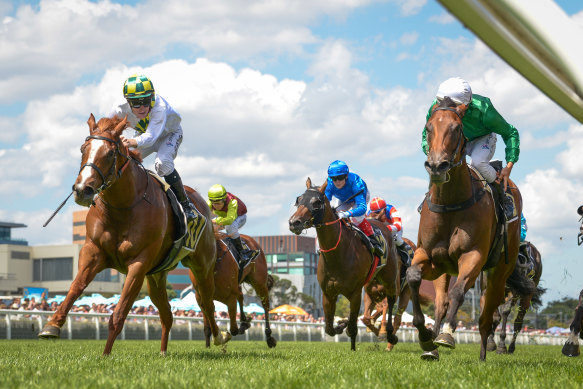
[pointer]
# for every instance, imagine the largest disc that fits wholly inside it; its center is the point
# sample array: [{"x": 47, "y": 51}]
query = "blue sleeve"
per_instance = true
[
  {"x": 523, "y": 228},
  {"x": 360, "y": 201},
  {"x": 329, "y": 187}
]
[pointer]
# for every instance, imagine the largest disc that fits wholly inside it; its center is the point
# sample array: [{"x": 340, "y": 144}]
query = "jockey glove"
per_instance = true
[{"x": 343, "y": 215}]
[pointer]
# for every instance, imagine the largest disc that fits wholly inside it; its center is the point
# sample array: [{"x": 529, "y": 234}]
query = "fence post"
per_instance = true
[
  {"x": 295, "y": 332},
  {"x": 147, "y": 334},
  {"x": 96, "y": 328},
  {"x": 8, "y": 329},
  {"x": 279, "y": 331},
  {"x": 69, "y": 328},
  {"x": 190, "y": 330},
  {"x": 309, "y": 333}
]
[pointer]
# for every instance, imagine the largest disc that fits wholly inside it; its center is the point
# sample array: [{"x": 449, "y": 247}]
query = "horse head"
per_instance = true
[
  {"x": 103, "y": 157},
  {"x": 312, "y": 207},
  {"x": 445, "y": 139}
]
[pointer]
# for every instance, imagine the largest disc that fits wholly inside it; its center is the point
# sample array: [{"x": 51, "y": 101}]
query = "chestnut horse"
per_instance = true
[
  {"x": 130, "y": 228},
  {"x": 571, "y": 346},
  {"x": 374, "y": 295},
  {"x": 456, "y": 234},
  {"x": 513, "y": 295},
  {"x": 228, "y": 290},
  {"x": 345, "y": 261}
]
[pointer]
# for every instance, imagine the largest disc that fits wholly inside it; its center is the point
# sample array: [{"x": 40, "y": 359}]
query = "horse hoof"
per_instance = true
[
  {"x": 445, "y": 340},
  {"x": 427, "y": 345},
  {"x": 501, "y": 350},
  {"x": 50, "y": 332},
  {"x": 389, "y": 347},
  {"x": 570, "y": 349},
  {"x": 382, "y": 336},
  {"x": 222, "y": 339},
  {"x": 491, "y": 345},
  {"x": 271, "y": 342},
  {"x": 244, "y": 326},
  {"x": 511, "y": 348},
  {"x": 430, "y": 355}
]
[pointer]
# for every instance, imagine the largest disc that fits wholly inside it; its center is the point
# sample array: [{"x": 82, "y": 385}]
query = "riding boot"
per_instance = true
[
  {"x": 369, "y": 232},
  {"x": 409, "y": 251},
  {"x": 245, "y": 255},
  {"x": 506, "y": 203},
  {"x": 173, "y": 179}
]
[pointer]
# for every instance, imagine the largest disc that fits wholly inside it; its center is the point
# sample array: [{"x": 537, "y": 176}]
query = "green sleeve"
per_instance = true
[
  {"x": 424, "y": 135},
  {"x": 231, "y": 214},
  {"x": 494, "y": 122}
]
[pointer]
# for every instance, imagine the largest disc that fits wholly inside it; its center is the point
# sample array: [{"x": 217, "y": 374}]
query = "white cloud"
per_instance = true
[
  {"x": 443, "y": 18},
  {"x": 570, "y": 159},
  {"x": 409, "y": 38}
]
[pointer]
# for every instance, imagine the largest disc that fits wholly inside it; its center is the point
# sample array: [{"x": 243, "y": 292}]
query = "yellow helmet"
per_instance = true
[
  {"x": 138, "y": 86},
  {"x": 217, "y": 192}
]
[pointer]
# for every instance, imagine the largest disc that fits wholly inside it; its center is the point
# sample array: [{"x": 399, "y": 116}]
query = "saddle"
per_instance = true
[
  {"x": 238, "y": 257},
  {"x": 377, "y": 262},
  {"x": 187, "y": 236}
]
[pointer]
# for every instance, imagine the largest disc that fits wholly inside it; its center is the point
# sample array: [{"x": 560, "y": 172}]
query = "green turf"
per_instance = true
[{"x": 137, "y": 364}]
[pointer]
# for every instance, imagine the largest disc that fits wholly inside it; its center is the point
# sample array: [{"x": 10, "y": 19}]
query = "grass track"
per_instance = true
[{"x": 136, "y": 364}]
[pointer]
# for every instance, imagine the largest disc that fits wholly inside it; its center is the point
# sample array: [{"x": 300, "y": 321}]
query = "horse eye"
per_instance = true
[
  {"x": 110, "y": 153},
  {"x": 316, "y": 203}
]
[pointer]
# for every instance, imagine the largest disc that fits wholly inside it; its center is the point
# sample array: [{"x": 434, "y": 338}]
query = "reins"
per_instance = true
[{"x": 339, "y": 235}]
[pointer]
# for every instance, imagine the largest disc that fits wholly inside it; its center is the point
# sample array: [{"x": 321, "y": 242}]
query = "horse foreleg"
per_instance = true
[
  {"x": 352, "y": 329},
  {"x": 495, "y": 321},
  {"x": 91, "y": 262},
  {"x": 159, "y": 296},
  {"x": 207, "y": 331},
  {"x": 414, "y": 277},
  {"x": 495, "y": 291},
  {"x": 329, "y": 306},
  {"x": 263, "y": 293},
  {"x": 232, "y": 307},
  {"x": 204, "y": 295},
  {"x": 571, "y": 347},
  {"x": 505, "y": 310},
  {"x": 441, "y": 286},
  {"x": 522, "y": 309},
  {"x": 383, "y": 329},
  {"x": 391, "y": 337},
  {"x": 243, "y": 322},
  {"x": 131, "y": 289}
]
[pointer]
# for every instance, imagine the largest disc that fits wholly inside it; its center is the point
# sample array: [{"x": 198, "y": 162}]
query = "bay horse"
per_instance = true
[
  {"x": 375, "y": 296},
  {"x": 131, "y": 228},
  {"x": 228, "y": 289},
  {"x": 571, "y": 346},
  {"x": 513, "y": 296},
  {"x": 345, "y": 261},
  {"x": 457, "y": 227}
]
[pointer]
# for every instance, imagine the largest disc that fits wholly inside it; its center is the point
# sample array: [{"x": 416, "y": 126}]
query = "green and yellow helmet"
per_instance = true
[
  {"x": 137, "y": 87},
  {"x": 217, "y": 192}
]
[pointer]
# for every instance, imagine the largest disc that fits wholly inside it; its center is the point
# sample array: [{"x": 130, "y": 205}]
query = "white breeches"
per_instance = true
[
  {"x": 481, "y": 150},
  {"x": 233, "y": 228},
  {"x": 166, "y": 149}
]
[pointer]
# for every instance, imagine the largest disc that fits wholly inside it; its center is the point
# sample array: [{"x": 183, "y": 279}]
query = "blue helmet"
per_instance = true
[{"x": 337, "y": 168}]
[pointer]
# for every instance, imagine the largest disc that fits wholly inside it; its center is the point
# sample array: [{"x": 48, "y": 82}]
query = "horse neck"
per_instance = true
[
  {"x": 456, "y": 190},
  {"x": 124, "y": 192},
  {"x": 329, "y": 235}
]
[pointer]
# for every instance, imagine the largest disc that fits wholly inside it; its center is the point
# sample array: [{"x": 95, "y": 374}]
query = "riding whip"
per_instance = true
[{"x": 58, "y": 209}]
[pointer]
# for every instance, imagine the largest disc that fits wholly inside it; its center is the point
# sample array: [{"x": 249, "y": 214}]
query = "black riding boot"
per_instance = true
[
  {"x": 246, "y": 255},
  {"x": 173, "y": 179},
  {"x": 503, "y": 198},
  {"x": 376, "y": 245},
  {"x": 409, "y": 251}
]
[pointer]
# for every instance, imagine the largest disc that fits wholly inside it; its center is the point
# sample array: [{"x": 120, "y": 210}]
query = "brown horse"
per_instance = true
[
  {"x": 345, "y": 261},
  {"x": 456, "y": 233},
  {"x": 130, "y": 228},
  {"x": 521, "y": 274},
  {"x": 375, "y": 296},
  {"x": 228, "y": 290},
  {"x": 571, "y": 346}
]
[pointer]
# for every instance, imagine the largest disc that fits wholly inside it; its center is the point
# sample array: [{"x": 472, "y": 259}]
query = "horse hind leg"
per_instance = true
[
  {"x": 262, "y": 290},
  {"x": 244, "y": 322},
  {"x": 522, "y": 309},
  {"x": 391, "y": 335},
  {"x": 571, "y": 346}
]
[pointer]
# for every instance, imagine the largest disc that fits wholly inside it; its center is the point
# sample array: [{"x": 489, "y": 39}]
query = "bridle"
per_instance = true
[
  {"x": 104, "y": 178},
  {"x": 461, "y": 139}
]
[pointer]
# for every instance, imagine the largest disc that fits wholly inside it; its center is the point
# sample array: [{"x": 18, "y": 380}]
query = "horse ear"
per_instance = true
[
  {"x": 91, "y": 123},
  {"x": 461, "y": 109},
  {"x": 323, "y": 187},
  {"x": 308, "y": 183},
  {"x": 121, "y": 126}
]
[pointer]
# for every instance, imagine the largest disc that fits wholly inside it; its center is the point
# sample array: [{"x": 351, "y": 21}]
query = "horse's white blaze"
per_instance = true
[{"x": 94, "y": 146}]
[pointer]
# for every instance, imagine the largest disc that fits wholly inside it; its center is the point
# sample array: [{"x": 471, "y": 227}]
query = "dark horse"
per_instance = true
[
  {"x": 571, "y": 347},
  {"x": 345, "y": 261},
  {"x": 130, "y": 228},
  {"x": 456, "y": 234},
  {"x": 228, "y": 290},
  {"x": 376, "y": 297},
  {"x": 513, "y": 296}
]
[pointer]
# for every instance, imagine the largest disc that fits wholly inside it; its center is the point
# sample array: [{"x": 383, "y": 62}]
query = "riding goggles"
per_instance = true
[
  {"x": 136, "y": 103},
  {"x": 338, "y": 178}
]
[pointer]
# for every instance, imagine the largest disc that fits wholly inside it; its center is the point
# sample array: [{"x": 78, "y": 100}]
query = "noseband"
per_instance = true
[
  {"x": 461, "y": 140},
  {"x": 105, "y": 184}
]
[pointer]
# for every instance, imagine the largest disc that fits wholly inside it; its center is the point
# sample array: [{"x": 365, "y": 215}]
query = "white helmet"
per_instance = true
[{"x": 457, "y": 89}]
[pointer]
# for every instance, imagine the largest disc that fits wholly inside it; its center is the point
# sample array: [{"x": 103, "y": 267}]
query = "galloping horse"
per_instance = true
[
  {"x": 513, "y": 296},
  {"x": 228, "y": 290},
  {"x": 571, "y": 347},
  {"x": 345, "y": 261},
  {"x": 131, "y": 228},
  {"x": 456, "y": 230},
  {"x": 375, "y": 296}
]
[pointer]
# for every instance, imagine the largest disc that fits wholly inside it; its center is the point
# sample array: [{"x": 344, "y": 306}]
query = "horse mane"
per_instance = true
[{"x": 108, "y": 126}]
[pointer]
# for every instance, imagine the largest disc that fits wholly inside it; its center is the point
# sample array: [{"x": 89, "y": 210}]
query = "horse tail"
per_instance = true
[
  {"x": 536, "y": 300},
  {"x": 521, "y": 285},
  {"x": 270, "y": 282}
]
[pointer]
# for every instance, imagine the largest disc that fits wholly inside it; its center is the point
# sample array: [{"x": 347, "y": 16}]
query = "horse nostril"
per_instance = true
[
  {"x": 443, "y": 166},
  {"x": 88, "y": 191}
]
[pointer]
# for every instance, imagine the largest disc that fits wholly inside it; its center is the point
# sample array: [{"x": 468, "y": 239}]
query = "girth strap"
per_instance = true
[{"x": 439, "y": 208}]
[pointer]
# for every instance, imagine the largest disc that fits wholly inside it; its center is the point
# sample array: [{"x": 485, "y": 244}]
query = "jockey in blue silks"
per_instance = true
[{"x": 343, "y": 184}]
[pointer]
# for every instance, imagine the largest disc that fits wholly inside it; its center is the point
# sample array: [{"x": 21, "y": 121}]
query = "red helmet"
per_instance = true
[{"x": 377, "y": 203}]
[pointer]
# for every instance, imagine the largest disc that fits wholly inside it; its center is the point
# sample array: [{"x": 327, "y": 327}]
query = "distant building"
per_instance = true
[{"x": 6, "y": 234}]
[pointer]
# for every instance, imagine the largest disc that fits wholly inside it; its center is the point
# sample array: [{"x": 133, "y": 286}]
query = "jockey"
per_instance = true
[
  {"x": 481, "y": 122},
  {"x": 341, "y": 186},
  {"x": 386, "y": 213},
  {"x": 158, "y": 130},
  {"x": 231, "y": 213}
]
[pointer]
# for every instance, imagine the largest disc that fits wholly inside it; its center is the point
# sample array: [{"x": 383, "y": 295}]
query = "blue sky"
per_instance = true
[{"x": 270, "y": 93}]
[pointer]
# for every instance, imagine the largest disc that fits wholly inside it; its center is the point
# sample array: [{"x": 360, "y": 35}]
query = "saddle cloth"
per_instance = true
[
  {"x": 187, "y": 237},
  {"x": 382, "y": 260}
]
